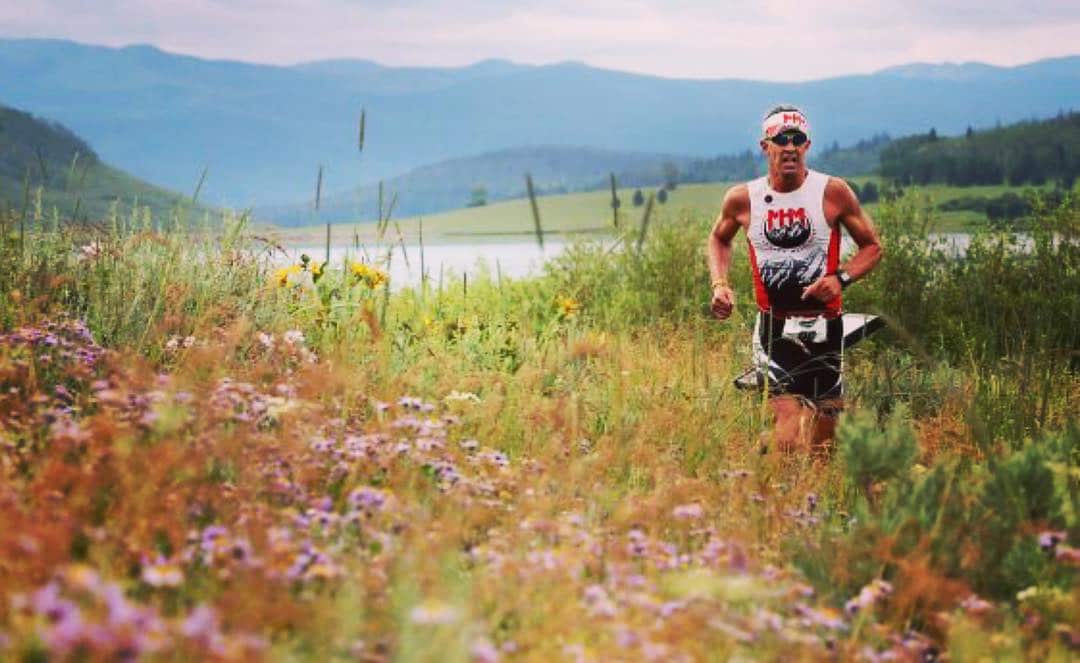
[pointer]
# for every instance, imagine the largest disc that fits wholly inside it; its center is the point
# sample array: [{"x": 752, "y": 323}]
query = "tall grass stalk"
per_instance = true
[{"x": 535, "y": 211}]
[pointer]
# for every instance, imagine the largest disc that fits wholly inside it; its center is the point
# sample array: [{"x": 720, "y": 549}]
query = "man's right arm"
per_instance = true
[{"x": 734, "y": 212}]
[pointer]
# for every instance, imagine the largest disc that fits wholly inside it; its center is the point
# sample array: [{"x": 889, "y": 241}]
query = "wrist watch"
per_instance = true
[{"x": 844, "y": 278}]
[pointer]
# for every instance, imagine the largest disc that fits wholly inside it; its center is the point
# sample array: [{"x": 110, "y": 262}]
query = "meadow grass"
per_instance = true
[{"x": 207, "y": 457}]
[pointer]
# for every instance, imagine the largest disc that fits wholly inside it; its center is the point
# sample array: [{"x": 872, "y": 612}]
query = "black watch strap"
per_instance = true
[{"x": 844, "y": 278}]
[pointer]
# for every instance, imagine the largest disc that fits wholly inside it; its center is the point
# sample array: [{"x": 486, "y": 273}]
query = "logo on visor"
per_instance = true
[
  {"x": 787, "y": 228},
  {"x": 793, "y": 119}
]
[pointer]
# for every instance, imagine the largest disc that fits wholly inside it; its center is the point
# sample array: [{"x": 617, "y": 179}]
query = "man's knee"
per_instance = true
[
  {"x": 829, "y": 409},
  {"x": 791, "y": 423},
  {"x": 826, "y": 414}
]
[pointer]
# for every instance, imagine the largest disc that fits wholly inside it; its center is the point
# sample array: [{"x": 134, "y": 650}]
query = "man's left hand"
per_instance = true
[{"x": 825, "y": 289}]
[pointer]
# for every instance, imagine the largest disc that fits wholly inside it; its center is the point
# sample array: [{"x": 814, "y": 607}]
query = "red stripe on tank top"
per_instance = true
[
  {"x": 760, "y": 293},
  {"x": 832, "y": 263}
]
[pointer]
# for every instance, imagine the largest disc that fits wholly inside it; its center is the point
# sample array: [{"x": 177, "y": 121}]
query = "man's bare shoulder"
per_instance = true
[
  {"x": 838, "y": 191},
  {"x": 737, "y": 200}
]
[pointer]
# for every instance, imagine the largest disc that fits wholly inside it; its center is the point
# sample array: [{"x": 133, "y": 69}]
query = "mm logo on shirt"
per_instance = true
[{"x": 787, "y": 228}]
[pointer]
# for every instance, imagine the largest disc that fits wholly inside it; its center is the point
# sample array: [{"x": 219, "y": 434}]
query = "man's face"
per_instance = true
[{"x": 785, "y": 157}]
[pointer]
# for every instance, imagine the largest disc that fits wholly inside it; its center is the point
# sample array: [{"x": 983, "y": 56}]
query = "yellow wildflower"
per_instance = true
[
  {"x": 432, "y": 325},
  {"x": 282, "y": 275},
  {"x": 568, "y": 306},
  {"x": 373, "y": 277}
]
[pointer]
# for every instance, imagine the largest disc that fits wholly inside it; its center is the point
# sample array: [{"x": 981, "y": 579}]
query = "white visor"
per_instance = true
[{"x": 782, "y": 121}]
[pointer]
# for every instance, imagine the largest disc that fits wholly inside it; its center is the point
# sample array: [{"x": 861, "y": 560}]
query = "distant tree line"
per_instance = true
[
  {"x": 862, "y": 158},
  {"x": 745, "y": 165},
  {"x": 1005, "y": 207},
  {"x": 867, "y": 193},
  {"x": 1035, "y": 153}
]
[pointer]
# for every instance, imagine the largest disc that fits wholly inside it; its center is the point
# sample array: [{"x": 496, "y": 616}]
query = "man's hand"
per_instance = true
[
  {"x": 825, "y": 289},
  {"x": 723, "y": 301}
]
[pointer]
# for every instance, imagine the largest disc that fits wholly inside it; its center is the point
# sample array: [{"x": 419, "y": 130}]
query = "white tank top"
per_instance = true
[{"x": 791, "y": 245}]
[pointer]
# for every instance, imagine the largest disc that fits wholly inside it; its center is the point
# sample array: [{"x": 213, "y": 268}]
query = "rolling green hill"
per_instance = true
[
  {"x": 45, "y": 166},
  {"x": 487, "y": 177}
]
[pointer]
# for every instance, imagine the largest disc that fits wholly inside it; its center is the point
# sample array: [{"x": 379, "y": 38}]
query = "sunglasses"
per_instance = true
[{"x": 796, "y": 138}]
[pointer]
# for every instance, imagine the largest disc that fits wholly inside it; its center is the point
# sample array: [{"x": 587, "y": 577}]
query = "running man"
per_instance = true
[{"x": 792, "y": 218}]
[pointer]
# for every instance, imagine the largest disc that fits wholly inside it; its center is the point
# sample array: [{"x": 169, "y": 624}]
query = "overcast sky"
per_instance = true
[{"x": 760, "y": 39}]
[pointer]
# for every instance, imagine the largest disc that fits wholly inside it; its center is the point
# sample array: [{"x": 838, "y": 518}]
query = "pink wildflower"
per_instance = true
[
  {"x": 975, "y": 605},
  {"x": 688, "y": 511},
  {"x": 1068, "y": 555},
  {"x": 869, "y": 595},
  {"x": 483, "y": 651}
]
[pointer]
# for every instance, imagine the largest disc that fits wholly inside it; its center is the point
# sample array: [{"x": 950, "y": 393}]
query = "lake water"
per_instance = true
[{"x": 511, "y": 259}]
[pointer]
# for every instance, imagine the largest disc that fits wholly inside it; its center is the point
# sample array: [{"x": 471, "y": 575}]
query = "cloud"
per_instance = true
[
  {"x": 968, "y": 15},
  {"x": 770, "y": 39}
]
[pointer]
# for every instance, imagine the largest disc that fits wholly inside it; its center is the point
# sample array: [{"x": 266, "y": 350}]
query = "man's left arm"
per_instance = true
[{"x": 841, "y": 201}]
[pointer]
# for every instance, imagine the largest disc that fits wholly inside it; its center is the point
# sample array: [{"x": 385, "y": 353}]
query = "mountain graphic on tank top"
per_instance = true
[{"x": 789, "y": 235}]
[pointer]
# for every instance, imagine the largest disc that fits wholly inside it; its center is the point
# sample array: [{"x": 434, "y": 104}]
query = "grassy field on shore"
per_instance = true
[
  {"x": 204, "y": 456},
  {"x": 577, "y": 214}
]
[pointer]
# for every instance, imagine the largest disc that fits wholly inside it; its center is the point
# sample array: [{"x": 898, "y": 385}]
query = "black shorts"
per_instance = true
[{"x": 806, "y": 359}]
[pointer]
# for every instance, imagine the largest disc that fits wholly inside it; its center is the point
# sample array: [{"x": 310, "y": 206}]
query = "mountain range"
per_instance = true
[{"x": 264, "y": 131}]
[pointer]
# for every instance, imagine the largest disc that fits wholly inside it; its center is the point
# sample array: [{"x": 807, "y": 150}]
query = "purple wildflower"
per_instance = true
[
  {"x": 367, "y": 498},
  {"x": 409, "y": 402},
  {"x": 638, "y": 545},
  {"x": 201, "y": 625},
  {"x": 1049, "y": 539}
]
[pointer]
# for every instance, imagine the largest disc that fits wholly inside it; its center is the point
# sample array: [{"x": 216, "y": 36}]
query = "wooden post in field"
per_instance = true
[
  {"x": 535, "y": 211},
  {"x": 645, "y": 222},
  {"x": 614, "y": 203}
]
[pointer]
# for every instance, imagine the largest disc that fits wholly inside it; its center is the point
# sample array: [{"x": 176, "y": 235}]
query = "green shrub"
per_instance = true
[
  {"x": 977, "y": 523},
  {"x": 871, "y": 455}
]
